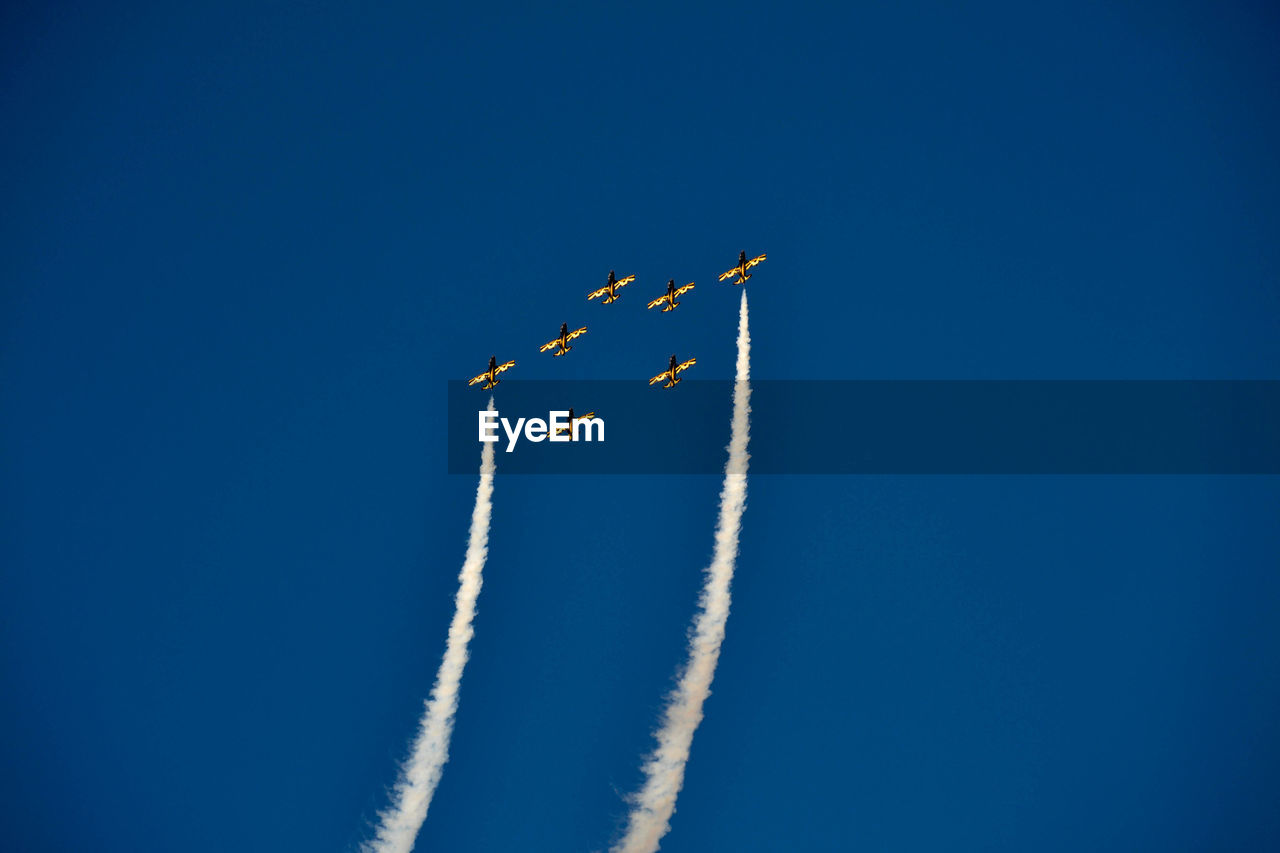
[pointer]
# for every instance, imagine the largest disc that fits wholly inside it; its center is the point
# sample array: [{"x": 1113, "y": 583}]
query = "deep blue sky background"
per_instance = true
[{"x": 242, "y": 246}]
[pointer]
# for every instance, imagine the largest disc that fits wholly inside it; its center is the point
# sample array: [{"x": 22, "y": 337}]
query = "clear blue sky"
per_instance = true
[{"x": 242, "y": 247}]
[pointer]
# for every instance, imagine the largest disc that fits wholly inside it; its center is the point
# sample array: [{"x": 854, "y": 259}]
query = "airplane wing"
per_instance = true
[
  {"x": 575, "y": 333},
  {"x": 502, "y": 367},
  {"x": 549, "y": 345},
  {"x": 730, "y": 274},
  {"x": 623, "y": 281},
  {"x": 482, "y": 377},
  {"x": 751, "y": 263},
  {"x": 690, "y": 363},
  {"x": 569, "y": 428},
  {"x": 684, "y": 289},
  {"x": 601, "y": 292},
  {"x": 661, "y": 299},
  {"x": 661, "y": 376}
]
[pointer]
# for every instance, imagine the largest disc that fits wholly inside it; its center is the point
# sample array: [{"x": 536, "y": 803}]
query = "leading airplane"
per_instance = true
[
  {"x": 490, "y": 376},
  {"x": 573, "y": 420},
  {"x": 670, "y": 373},
  {"x": 563, "y": 340},
  {"x": 741, "y": 269},
  {"x": 610, "y": 289},
  {"x": 670, "y": 296}
]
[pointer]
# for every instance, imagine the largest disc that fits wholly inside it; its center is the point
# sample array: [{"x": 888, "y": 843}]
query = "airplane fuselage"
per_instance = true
[
  {"x": 569, "y": 429},
  {"x": 492, "y": 380}
]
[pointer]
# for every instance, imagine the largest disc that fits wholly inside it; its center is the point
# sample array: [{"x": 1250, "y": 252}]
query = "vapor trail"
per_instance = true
[
  {"x": 654, "y": 804},
  {"x": 420, "y": 773}
]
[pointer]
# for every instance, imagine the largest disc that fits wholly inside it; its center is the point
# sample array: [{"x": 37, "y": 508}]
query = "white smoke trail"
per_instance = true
[
  {"x": 421, "y": 772},
  {"x": 653, "y": 806}
]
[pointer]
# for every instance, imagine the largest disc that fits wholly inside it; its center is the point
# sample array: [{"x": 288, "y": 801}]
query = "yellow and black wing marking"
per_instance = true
[
  {"x": 622, "y": 282},
  {"x": 751, "y": 263},
  {"x": 684, "y": 365},
  {"x": 502, "y": 367},
  {"x": 575, "y": 333},
  {"x": 549, "y": 345},
  {"x": 684, "y": 289},
  {"x": 482, "y": 377},
  {"x": 661, "y": 299},
  {"x": 731, "y": 273},
  {"x": 666, "y": 374},
  {"x": 598, "y": 293},
  {"x": 569, "y": 428}
]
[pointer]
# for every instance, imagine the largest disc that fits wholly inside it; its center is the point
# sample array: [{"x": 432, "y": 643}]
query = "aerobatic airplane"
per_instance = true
[
  {"x": 610, "y": 289},
  {"x": 741, "y": 269},
  {"x": 670, "y": 373},
  {"x": 490, "y": 376},
  {"x": 573, "y": 420},
  {"x": 670, "y": 296},
  {"x": 563, "y": 340}
]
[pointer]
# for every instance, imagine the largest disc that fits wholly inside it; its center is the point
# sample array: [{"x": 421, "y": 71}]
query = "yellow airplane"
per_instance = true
[
  {"x": 563, "y": 340},
  {"x": 670, "y": 373},
  {"x": 610, "y": 289},
  {"x": 490, "y": 376},
  {"x": 670, "y": 296},
  {"x": 573, "y": 420},
  {"x": 741, "y": 269}
]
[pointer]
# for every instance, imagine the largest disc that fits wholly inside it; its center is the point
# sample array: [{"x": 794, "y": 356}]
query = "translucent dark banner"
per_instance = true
[{"x": 883, "y": 427}]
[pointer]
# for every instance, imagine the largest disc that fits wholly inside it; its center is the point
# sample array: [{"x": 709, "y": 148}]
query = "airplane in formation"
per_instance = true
[
  {"x": 668, "y": 300},
  {"x": 490, "y": 376},
  {"x": 610, "y": 289},
  {"x": 670, "y": 374},
  {"x": 562, "y": 341},
  {"x": 741, "y": 269},
  {"x": 573, "y": 420},
  {"x": 670, "y": 296}
]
